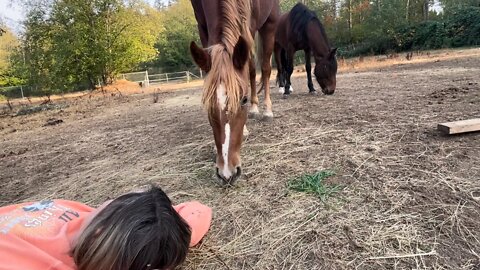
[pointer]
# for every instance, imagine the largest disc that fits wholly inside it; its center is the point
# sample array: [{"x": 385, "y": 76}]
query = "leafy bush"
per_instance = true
[
  {"x": 426, "y": 35},
  {"x": 463, "y": 26},
  {"x": 460, "y": 28},
  {"x": 7, "y": 79}
]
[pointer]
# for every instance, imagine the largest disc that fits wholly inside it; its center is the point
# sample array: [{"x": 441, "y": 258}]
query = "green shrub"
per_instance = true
[
  {"x": 314, "y": 184},
  {"x": 461, "y": 27}
]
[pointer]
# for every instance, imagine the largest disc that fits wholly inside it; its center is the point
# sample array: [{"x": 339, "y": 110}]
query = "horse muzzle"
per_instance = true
[{"x": 328, "y": 90}]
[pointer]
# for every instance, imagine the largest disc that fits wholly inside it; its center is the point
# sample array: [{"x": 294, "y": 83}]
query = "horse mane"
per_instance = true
[
  {"x": 223, "y": 72},
  {"x": 235, "y": 19},
  {"x": 299, "y": 17}
]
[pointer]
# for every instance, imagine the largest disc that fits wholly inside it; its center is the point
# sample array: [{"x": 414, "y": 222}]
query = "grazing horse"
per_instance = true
[
  {"x": 226, "y": 29},
  {"x": 300, "y": 29}
]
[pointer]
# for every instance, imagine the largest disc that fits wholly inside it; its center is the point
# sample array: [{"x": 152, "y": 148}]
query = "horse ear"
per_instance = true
[
  {"x": 333, "y": 52},
  {"x": 201, "y": 57},
  {"x": 240, "y": 54}
]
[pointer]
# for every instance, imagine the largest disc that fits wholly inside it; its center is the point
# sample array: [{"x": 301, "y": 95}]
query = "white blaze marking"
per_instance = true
[
  {"x": 226, "y": 144},
  {"x": 222, "y": 97},
  {"x": 291, "y": 88}
]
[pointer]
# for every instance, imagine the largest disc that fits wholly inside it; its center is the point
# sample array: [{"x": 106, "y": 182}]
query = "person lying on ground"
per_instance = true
[{"x": 136, "y": 231}]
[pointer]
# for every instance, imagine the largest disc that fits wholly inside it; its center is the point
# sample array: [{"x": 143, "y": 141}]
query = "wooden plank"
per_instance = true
[{"x": 463, "y": 126}]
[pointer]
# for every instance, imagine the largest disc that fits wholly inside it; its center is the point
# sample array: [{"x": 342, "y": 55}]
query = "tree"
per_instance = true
[
  {"x": 287, "y": 5},
  {"x": 8, "y": 44},
  {"x": 8, "y": 41},
  {"x": 74, "y": 44},
  {"x": 104, "y": 37},
  {"x": 37, "y": 50},
  {"x": 449, "y": 6},
  {"x": 179, "y": 29}
]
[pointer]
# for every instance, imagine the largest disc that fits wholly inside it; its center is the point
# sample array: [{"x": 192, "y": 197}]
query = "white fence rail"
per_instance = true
[{"x": 146, "y": 79}]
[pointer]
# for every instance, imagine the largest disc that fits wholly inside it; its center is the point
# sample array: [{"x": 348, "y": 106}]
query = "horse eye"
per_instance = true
[{"x": 244, "y": 101}]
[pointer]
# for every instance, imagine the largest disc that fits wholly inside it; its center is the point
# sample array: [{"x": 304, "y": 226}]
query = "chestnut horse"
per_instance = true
[
  {"x": 300, "y": 29},
  {"x": 227, "y": 28}
]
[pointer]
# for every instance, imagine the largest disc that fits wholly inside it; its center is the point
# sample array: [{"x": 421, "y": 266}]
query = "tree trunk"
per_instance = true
[
  {"x": 425, "y": 9},
  {"x": 334, "y": 4},
  {"x": 350, "y": 24},
  {"x": 407, "y": 11}
]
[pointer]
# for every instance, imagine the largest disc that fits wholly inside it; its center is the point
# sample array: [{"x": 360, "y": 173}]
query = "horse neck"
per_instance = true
[{"x": 317, "y": 40}]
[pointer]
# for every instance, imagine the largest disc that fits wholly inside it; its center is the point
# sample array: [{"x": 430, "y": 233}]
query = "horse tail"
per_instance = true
[{"x": 283, "y": 56}]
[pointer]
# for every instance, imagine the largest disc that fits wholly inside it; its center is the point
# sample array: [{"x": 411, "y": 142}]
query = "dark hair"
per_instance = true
[{"x": 137, "y": 231}]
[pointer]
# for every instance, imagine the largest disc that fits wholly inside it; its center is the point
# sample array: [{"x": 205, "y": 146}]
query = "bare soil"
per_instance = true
[{"x": 410, "y": 197}]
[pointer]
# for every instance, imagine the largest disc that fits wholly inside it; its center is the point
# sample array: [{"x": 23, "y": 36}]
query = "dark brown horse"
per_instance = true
[
  {"x": 227, "y": 28},
  {"x": 300, "y": 29}
]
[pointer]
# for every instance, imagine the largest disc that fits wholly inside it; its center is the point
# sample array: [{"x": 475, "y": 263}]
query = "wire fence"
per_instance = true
[
  {"x": 143, "y": 78},
  {"x": 21, "y": 91}
]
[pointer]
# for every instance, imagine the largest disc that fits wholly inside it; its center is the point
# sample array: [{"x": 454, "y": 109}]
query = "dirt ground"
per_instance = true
[{"x": 410, "y": 197}]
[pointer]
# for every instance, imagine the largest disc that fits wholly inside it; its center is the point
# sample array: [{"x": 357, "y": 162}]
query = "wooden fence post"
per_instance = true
[{"x": 147, "y": 80}]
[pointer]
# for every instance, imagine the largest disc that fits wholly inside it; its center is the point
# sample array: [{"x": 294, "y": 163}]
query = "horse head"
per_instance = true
[
  {"x": 225, "y": 97},
  {"x": 326, "y": 72}
]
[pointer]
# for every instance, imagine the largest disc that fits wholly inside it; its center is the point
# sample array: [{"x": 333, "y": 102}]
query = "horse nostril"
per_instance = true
[
  {"x": 219, "y": 176},
  {"x": 230, "y": 181},
  {"x": 328, "y": 91}
]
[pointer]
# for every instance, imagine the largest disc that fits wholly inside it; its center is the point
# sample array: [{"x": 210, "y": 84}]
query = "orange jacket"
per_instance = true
[{"x": 38, "y": 236}]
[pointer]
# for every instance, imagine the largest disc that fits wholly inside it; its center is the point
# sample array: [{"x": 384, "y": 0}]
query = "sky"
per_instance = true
[{"x": 10, "y": 14}]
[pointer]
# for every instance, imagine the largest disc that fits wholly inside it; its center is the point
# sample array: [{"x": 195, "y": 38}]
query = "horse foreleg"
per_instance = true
[
  {"x": 308, "y": 68},
  {"x": 280, "y": 71},
  {"x": 289, "y": 71},
  {"x": 268, "y": 38},
  {"x": 253, "y": 97}
]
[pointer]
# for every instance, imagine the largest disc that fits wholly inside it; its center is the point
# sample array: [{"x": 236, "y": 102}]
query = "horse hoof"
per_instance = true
[
  {"x": 254, "y": 112},
  {"x": 253, "y": 115},
  {"x": 313, "y": 93},
  {"x": 285, "y": 96},
  {"x": 268, "y": 114},
  {"x": 281, "y": 90}
]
